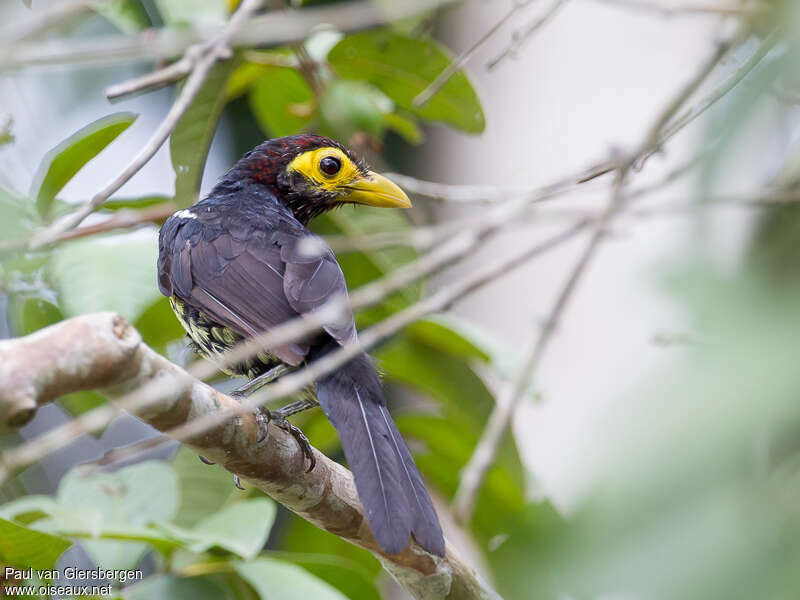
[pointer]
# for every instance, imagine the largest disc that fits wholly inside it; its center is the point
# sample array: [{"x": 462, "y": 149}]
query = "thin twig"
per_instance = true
[
  {"x": 282, "y": 27},
  {"x": 519, "y": 38},
  {"x": 688, "y": 8},
  {"x": 669, "y": 131},
  {"x": 451, "y": 69},
  {"x": 17, "y": 458},
  {"x": 204, "y": 60},
  {"x": 474, "y": 472}
]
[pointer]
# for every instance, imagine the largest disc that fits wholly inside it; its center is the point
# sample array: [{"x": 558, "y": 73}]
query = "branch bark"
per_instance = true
[{"x": 103, "y": 351}]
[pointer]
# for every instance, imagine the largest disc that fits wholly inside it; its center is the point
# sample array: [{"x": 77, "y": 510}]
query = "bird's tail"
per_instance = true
[{"x": 390, "y": 487}]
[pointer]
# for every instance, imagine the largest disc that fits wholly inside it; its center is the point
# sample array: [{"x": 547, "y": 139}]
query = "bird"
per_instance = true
[{"x": 242, "y": 261}]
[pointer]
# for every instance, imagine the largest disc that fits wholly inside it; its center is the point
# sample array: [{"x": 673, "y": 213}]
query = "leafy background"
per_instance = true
[{"x": 696, "y": 476}]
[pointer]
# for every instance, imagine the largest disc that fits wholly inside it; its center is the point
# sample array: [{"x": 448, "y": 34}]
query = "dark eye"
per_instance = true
[{"x": 330, "y": 165}]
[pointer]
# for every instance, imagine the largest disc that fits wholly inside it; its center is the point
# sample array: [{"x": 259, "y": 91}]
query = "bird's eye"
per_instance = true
[{"x": 330, "y": 165}]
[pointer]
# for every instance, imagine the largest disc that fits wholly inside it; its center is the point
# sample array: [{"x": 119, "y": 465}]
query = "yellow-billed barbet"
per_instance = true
[{"x": 242, "y": 261}]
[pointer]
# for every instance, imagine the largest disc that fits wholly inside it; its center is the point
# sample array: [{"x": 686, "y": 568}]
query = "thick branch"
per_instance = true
[{"x": 103, "y": 351}]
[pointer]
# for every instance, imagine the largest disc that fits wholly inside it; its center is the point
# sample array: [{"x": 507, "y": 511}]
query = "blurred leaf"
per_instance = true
[
  {"x": 437, "y": 332},
  {"x": 282, "y": 102},
  {"x": 17, "y": 215},
  {"x": 204, "y": 488},
  {"x": 207, "y": 13},
  {"x": 170, "y": 587},
  {"x": 241, "y": 528},
  {"x": 402, "y": 67},
  {"x": 404, "y": 126},
  {"x": 6, "y": 123},
  {"x": 110, "y": 272},
  {"x": 135, "y": 203},
  {"x": 349, "y": 107},
  {"x": 22, "y": 547},
  {"x": 62, "y": 162},
  {"x": 158, "y": 326},
  {"x": 243, "y": 78},
  {"x": 503, "y": 359},
  {"x": 258, "y": 63},
  {"x": 78, "y": 403},
  {"x": 191, "y": 139},
  {"x": 279, "y": 580},
  {"x": 127, "y": 15},
  {"x": 28, "y": 509},
  {"x": 120, "y": 502},
  {"x": 348, "y": 568},
  {"x": 138, "y": 494},
  {"x": 27, "y": 314}
]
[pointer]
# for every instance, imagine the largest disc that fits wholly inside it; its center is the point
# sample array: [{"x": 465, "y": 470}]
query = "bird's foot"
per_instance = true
[
  {"x": 205, "y": 461},
  {"x": 276, "y": 418}
]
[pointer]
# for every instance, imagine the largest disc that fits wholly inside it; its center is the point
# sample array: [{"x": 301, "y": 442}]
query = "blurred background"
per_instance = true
[{"x": 654, "y": 451}]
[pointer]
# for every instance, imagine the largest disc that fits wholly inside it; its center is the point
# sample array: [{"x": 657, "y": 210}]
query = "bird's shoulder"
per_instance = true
[{"x": 250, "y": 247}]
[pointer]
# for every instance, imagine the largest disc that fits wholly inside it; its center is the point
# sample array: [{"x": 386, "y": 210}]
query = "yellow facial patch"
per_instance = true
[{"x": 311, "y": 164}]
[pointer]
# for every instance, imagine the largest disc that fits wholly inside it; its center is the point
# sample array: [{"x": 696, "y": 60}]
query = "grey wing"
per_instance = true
[
  {"x": 239, "y": 285},
  {"x": 312, "y": 278}
]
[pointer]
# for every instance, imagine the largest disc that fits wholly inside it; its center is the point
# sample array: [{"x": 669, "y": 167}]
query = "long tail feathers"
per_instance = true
[{"x": 388, "y": 482}]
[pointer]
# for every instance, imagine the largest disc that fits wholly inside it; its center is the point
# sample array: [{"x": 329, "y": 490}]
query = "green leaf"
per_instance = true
[
  {"x": 28, "y": 509},
  {"x": 139, "y": 494},
  {"x": 282, "y": 102},
  {"x": 6, "y": 124},
  {"x": 17, "y": 215},
  {"x": 23, "y": 547},
  {"x": 241, "y": 528},
  {"x": 191, "y": 139},
  {"x": 110, "y": 272},
  {"x": 170, "y": 587},
  {"x": 435, "y": 332},
  {"x": 402, "y": 67},
  {"x": 204, "y": 488},
  {"x": 349, "y": 107},
  {"x": 119, "y": 504},
  {"x": 404, "y": 126},
  {"x": 159, "y": 326},
  {"x": 207, "y": 13},
  {"x": 259, "y": 62},
  {"x": 127, "y": 15},
  {"x": 62, "y": 162},
  {"x": 279, "y": 580},
  {"x": 78, "y": 403},
  {"x": 348, "y": 568},
  {"x": 28, "y": 314},
  {"x": 135, "y": 203}
]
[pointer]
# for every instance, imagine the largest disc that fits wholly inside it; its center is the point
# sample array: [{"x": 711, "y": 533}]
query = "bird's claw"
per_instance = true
[
  {"x": 237, "y": 483},
  {"x": 205, "y": 461},
  {"x": 266, "y": 417}
]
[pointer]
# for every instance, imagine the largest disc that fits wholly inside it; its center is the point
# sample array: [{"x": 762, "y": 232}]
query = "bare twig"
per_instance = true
[
  {"x": 140, "y": 401},
  {"x": 520, "y": 37},
  {"x": 670, "y": 130},
  {"x": 103, "y": 350},
  {"x": 289, "y": 26},
  {"x": 482, "y": 458},
  {"x": 451, "y": 69},
  {"x": 46, "y": 19},
  {"x": 124, "y": 219},
  {"x": 203, "y": 60},
  {"x": 691, "y": 8}
]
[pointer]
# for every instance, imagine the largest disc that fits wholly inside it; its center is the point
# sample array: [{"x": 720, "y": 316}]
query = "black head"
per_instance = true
[{"x": 311, "y": 174}]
